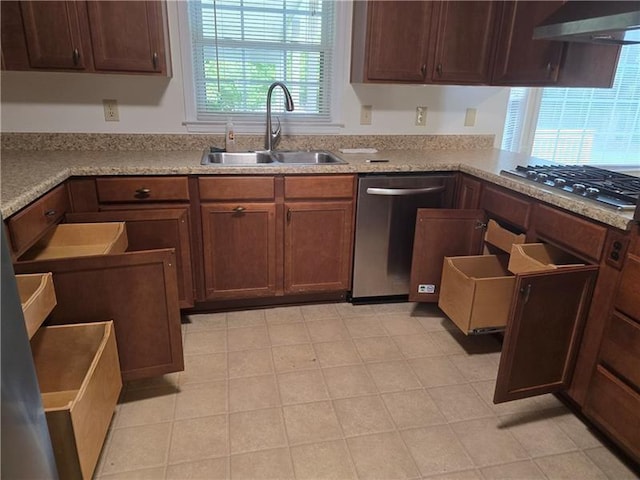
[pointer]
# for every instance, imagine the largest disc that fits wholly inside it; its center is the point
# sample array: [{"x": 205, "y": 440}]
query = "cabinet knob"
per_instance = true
[
  {"x": 423, "y": 69},
  {"x": 76, "y": 56},
  {"x": 288, "y": 215},
  {"x": 142, "y": 192},
  {"x": 50, "y": 213},
  {"x": 239, "y": 209},
  {"x": 439, "y": 69},
  {"x": 154, "y": 59}
]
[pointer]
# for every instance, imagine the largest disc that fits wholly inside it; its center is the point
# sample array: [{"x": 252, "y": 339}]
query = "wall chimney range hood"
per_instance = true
[{"x": 600, "y": 22}]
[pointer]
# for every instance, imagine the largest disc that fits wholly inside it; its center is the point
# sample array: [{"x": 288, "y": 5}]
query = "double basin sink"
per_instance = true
[{"x": 273, "y": 158}]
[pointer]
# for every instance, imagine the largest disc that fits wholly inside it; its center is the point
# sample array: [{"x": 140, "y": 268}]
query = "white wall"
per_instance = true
[{"x": 67, "y": 102}]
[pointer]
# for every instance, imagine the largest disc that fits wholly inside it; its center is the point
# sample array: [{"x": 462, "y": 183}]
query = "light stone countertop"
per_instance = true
[{"x": 26, "y": 175}]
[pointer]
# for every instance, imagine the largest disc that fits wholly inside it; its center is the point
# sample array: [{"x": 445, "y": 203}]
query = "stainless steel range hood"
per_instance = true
[{"x": 602, "y": 22}]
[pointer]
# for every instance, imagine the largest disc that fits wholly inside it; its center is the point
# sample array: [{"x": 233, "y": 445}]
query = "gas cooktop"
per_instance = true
[{"x": 616, "y": 190}]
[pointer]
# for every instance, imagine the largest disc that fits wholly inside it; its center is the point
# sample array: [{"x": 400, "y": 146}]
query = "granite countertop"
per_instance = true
[{"x": 26, "y": 175}]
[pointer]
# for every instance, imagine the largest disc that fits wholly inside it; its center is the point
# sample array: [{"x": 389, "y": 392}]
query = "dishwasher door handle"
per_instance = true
[{"x": 394, "y": 192}]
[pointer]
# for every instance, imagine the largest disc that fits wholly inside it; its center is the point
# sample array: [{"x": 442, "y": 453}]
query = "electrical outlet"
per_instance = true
[
  {"x": 421, "y": 116},
  {"x": 365, "y": 114},
  {"x": 111, "y": 110},
  {"x": 470, "y": 117}
]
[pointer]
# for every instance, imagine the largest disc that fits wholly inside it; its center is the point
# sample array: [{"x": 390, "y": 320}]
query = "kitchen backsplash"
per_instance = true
[{"x": 180, "y": 142}]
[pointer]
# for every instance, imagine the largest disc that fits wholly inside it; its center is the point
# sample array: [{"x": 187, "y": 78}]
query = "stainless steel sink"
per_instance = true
[
  {"x": 236, "y": 159},
  {"x": 280, "y": 157},
  {"x": 306, "y": 157}
]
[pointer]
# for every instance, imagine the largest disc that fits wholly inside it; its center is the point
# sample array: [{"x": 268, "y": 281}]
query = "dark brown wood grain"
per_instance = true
[
  {"x": 543, "y": 333},
  {"x": 463, "y": 44},
  {"x": 507, "y": 206},
  {"x": 468, "y": 192},
  {"x": 319, "y": 187},
  {"x": 441, "y": 233},
  {"x": 142, "y": 189},
  {"x": 226, "y": 188},
  {"x": 317, "y": 246},
  {"x": 137, "y": 290},
  {"x": 126, "y": 36}
]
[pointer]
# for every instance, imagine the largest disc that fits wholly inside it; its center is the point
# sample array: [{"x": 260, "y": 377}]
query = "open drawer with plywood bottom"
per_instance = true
[
  {"x": 97, "y": 280},
  {"x": 78, "y": 374},
  {"x": 542, "y": 308}
]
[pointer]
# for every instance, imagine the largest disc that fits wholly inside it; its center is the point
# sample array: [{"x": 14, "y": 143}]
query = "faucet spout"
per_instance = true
[{"x": 272, "y": 138}]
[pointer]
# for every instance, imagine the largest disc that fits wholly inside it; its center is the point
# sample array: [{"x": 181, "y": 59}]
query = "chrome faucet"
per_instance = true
[{"x": 272, "y": 138}]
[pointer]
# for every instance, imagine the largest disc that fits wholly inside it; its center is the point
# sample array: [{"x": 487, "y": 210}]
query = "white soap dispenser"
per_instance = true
[{"x": 230, "y": 137}]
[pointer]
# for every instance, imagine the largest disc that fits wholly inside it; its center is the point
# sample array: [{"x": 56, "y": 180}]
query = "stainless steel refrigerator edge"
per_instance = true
[
  {"x": 26, "y": 446},
  {"x": 385, "y": 227}
]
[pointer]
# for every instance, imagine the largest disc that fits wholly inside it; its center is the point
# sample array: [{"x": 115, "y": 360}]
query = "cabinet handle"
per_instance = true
[
  {"x": 549, "y": 69},
  {"x": 439, "y": 69},
  {"x": 526, "y": 291},
  {"x": 154, "y": 59},
  {"x": 50, "y": 213},
  {"x": 142, "y": 192},
  {"x": 76, "y": 56},
  {"x": 239, "y": 209},
  {"x": 480, "y": 225},
  {"x": 288, "y": 215},
  {"x": 423, "y": 69}
]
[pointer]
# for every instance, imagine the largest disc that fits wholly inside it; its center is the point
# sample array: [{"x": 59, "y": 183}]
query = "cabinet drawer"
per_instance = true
[
  {"x": 620, "y": 349},
  {"x": 505, "y": 206},
  {"x": 237, "y": 188},
  {"x": 140, "y": 189},
  {"x": 37, "y": 298},
  {"x": 27, "y": 225},
  {"x": 628, "y": 299},
  {"x": 79, "y": 240},
  {"x": 322, "y": 186},
  {"x": 578, "y": 235},
  {"x": 79, "y": 377},
  {"x": 616, "y": 408}
]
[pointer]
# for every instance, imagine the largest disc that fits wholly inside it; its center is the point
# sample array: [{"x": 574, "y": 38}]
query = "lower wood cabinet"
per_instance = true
[
  {"x": 544, "y": 311},
  {"x": 273, "y": 236},
  {"x": 317, "y": 246},
  {"x": 240, "y": 249}
]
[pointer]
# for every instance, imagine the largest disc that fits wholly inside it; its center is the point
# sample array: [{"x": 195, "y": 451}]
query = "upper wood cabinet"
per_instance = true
[
  {"x": 390, "y": 41},
  {"x": 519, "y": 59},
  {"x": 93, "y": 36},
  {"x": 462, "y": 41},
  {"x": 470, "y": 43}
]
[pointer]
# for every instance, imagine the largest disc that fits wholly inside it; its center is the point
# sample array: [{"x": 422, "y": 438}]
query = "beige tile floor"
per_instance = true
[{"x": 337, "y": 392}]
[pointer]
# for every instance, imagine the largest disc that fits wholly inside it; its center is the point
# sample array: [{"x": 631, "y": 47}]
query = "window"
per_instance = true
[
  {"x": 239, "y": 47},
  {"x": 580, "y": 125}
]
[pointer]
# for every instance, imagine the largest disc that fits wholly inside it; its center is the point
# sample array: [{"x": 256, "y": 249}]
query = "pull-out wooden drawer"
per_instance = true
[
  {"x": 320, "y": 186},
  {"x": 79, "y": 378},
  {"x": 615, "y": 407},
  {"x": 620, "y": 349},
  {"x": 237, "y": 188},
  {"x": 142, "y": 189},
  {"x": 79, "y": 240},
  {"x": 37, "y": 297},
  {"x": 26, "y": 226}
]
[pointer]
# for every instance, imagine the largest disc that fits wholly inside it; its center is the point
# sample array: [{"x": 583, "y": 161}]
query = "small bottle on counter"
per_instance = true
[{"x": 230, "y": 137}]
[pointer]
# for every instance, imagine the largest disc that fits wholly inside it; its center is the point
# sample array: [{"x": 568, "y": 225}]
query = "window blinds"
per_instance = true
[{"x": 241, "y": 46}]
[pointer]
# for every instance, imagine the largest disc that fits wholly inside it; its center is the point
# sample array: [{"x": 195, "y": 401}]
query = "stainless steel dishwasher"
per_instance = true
[{"x": 385, "y": 226}]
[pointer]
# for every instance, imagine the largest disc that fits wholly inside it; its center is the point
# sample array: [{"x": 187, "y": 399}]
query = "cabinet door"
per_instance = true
[
  {"x": 53, "y": 34},
  {"x": 137, "y": 290},
  {"x": 543, "y": 333},
  {"x": 152, "y": 229},
  {"x": 463, "y": 44},
  {"x": 397, "y": 40},
  {"x": 519, "y": 59},
  {"x": 127, "y": 36},
  {"x": 317, "y": 246},
  {"x": 239, "y": 250},
  {"x": 468, "y": 194},
  {"x": 441, "y": 233}
]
